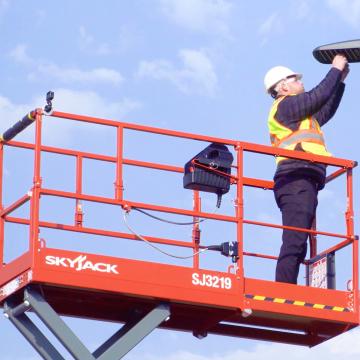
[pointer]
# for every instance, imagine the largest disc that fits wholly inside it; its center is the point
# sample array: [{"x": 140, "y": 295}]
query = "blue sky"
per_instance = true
[{"x": 188, "y": 65}]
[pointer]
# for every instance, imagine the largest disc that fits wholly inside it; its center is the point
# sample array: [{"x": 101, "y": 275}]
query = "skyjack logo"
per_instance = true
[{"x": 80, "y": 263}]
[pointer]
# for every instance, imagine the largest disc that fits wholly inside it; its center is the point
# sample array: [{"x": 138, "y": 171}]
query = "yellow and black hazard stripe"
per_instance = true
[{"x": 297, "y": 303}]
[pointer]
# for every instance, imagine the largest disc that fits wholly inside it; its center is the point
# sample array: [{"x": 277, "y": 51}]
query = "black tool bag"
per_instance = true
[{"x": 199, "y": 172}]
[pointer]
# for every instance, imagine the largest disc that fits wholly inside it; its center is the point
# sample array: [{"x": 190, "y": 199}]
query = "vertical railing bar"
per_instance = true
[
  {"x": 313, "y": 240},
  {"x": 196, "y": 230},
  {"x": 35, "y": 195},
  {"x": 78, "y": 187},
  {"x": 2, "y": 221},
  {"x": 239, "y": 202},
  {"x": 350, "y": 231},
  {"x": 119, "y": 164}
]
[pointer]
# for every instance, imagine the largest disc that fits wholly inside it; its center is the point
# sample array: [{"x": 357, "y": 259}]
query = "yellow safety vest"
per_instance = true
[{"x": 308, "y": 134}]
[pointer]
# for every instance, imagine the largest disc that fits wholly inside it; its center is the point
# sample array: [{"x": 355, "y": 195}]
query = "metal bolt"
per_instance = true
[{"x": 246, "y": 313}]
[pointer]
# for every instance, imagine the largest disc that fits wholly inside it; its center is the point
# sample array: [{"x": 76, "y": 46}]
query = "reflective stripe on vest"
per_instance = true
[
  {"x": 309, "y": 134},
  {"x": 301, "y": 136}
]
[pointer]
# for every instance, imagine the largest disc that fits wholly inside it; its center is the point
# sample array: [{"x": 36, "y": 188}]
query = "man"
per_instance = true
[{"x": 295, "y": 122}]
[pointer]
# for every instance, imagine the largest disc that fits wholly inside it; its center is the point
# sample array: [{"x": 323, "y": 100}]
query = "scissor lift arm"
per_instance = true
[{"x": 116, "y": 347}]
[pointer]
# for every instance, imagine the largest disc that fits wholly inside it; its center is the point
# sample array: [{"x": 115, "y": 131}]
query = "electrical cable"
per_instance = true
[
  {"x": 125, "y": 214},
  {"x": 218, "y": 202},
  {"x": 180, "y": 223},
  {"x": 168, "y": 221}
]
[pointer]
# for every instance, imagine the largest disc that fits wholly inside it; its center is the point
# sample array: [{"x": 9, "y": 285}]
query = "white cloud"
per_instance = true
[
  {"x": 10, "y": 113},
  {"x": 22, "y": 358},
  {"x": 4, "y": 4},
  {"x": 124, "y": 38},
  {"x": 104, "y": 49},
  {"x": 85, "y": 38},
  {"x": 64, "y": 74},
  {"x": 19, "y": 54},
  {"x": 271, "y": 23},
  {"x": 40, "y": 16},
  {"x": 78, "y": 102},
  {"x": 71, "y": 75},
  {"x": 348, "y": 10},
  {"x": 345, "y": 346},
  {"x": 87, "y": 41},
  {"x": 90, "y": 103},
  {"x": 302, "y": 9},
  {"x": 199, "y": 15},
  {"x": 197, "y": 75}
]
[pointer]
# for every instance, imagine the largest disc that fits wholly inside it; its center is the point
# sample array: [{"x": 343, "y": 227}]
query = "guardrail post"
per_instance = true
[
  {"x": 350, "y": 232},
  {"x": 239, "y": 209},
  {"x": 36, "y": 189},
  {"x": 2, "y": 221},
  {"x": 119, "y": 164},
  {"x": 196, "y": 229}
]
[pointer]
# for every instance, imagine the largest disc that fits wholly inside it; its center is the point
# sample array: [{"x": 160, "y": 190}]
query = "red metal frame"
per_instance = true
[{"x": 202, "y": 301}]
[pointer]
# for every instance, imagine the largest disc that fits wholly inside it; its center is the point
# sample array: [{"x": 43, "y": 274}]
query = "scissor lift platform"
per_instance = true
[
  {"x": 223, "y": 305},
  {"x": 145, "y": 295}
]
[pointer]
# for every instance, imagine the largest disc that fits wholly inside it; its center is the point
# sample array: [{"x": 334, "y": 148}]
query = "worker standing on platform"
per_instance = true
[{"x": 294, "y": 123}]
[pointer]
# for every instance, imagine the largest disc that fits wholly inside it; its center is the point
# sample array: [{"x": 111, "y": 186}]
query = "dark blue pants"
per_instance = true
[{"x": 296, "y": 196}]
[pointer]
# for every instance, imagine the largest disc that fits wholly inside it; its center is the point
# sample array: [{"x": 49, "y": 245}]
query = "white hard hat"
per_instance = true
[{"x": 276, "y": 74}]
